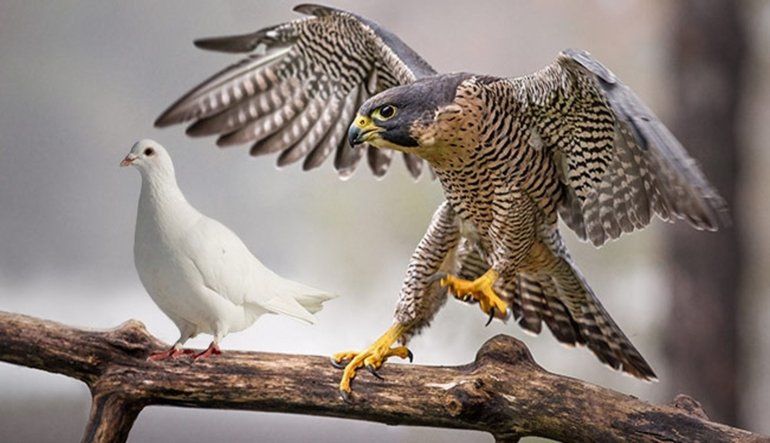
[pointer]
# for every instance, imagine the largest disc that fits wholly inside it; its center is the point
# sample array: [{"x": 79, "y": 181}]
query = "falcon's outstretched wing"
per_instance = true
[
  {"x": 618, "y": 162},
  {"x": 298, "y": 91}
]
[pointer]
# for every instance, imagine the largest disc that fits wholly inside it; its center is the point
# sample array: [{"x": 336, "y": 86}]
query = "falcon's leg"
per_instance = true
[
  {"x": 176, "y": 350},
  {"x": 512, "y": 233},
  {"x": 480, "y": 290},
  {"x": 419, "y": 300},
  {"x": 372, "y": 358}
]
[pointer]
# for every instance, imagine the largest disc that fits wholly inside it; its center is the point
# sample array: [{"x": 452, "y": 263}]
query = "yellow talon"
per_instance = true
[
  {"x": 372, "y": 358},
  {"x": 480, "y": 290}
]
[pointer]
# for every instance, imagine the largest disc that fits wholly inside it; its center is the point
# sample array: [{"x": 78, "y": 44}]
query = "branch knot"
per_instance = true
[
  {"x": 133, "y": 338},
  {"x": 506, "y": 350}
]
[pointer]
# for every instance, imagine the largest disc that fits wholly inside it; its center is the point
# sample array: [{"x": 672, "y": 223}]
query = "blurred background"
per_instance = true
[{"x": 81, "y": 81}]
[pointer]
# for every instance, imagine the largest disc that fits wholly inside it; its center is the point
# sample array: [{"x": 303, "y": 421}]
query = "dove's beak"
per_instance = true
[{"x": 128, "y": 160}]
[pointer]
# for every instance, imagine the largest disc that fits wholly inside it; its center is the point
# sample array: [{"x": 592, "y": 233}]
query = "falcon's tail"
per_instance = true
[{"x": 555, "y": 292}]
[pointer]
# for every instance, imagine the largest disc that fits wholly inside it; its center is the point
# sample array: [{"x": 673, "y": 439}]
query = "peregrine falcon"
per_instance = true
[{"x": 513, "y": 155}]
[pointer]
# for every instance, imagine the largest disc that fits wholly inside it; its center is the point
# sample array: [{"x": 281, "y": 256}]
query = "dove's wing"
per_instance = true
[
  {"x": 228, "y": 268},
  {"x": 298, "y": 91}
]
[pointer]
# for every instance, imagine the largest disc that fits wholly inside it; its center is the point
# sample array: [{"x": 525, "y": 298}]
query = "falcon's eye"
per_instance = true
[
  {"x": 149, "y": 152},
  {"x": 384, "y": 112}
]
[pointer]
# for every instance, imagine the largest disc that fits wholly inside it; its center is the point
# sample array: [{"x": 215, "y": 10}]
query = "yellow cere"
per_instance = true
[{"x": 363, "y": 122}]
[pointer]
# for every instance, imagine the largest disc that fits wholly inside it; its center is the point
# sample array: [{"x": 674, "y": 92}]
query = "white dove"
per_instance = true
[{"x": 198, "y": 271}]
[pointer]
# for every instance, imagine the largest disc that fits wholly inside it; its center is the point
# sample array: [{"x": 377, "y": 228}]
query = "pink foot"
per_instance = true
[
  {"x": 170, "y": 354},
  {"x": 213, "y": 349}
]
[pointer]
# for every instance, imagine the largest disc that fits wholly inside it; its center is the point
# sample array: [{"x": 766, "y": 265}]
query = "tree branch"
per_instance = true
[
  {"x": 111, "y": 418},
  {"x": 503, "y": 392}
]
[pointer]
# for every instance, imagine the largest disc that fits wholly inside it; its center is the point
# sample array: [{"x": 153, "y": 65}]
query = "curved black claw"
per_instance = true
[
  {"x": 345, "y": 395},
  {"x": 491, "y": 316},
  {"x": 410, "y": 356},
  {"x": 374, "y": 372},
  {"x": 338, "y": 364}
]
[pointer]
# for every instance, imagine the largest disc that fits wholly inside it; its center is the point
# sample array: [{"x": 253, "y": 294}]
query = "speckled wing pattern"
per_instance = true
[
  {"x": 618, "y": 161},
  {"x": 298, "y": 90},
  {"x": 579, "y": 143}
]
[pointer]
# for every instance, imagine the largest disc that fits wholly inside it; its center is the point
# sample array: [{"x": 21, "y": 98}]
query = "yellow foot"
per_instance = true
[
  {"x": 479, "y": 290},
  {"x": 372, "y": 358}
]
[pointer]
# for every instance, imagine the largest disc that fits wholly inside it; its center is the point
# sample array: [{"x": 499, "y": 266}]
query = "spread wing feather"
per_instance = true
[
  {"x": 297, "y": 91},
  {"x": 620, "y": 165}
]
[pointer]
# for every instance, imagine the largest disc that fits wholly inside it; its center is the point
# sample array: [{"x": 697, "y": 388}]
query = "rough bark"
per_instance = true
[
  {"x": 503, "y": 392},
  {"x": 111, "y": 418},
  {"x": 703, "y": 344}
]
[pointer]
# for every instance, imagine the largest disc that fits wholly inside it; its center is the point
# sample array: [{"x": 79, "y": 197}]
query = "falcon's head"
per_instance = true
[{"x": 406, "y": 118}]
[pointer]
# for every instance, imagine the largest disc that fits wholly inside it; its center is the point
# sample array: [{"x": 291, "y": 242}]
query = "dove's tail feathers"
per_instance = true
[
  {"x": 313, "y": 302},
  {"x": 308, "y": 297},
  {"x": 286, "y": 304}
]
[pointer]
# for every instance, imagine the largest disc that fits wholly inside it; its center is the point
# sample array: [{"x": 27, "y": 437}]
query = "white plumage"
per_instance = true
[{"x": 198, "y": 271}]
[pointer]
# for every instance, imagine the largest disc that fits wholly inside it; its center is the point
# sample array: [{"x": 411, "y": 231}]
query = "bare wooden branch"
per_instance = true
[
  {"x": 111, "y": 418},
  {"x": 503, "y": 392}
]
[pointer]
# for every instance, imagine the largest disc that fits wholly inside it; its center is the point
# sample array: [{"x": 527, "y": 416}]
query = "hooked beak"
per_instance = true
[
  {"x": 362, "y": 130},
  {"x": 128, "y": 160}
]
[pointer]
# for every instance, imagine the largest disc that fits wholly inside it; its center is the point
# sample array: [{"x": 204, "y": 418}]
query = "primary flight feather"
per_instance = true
[{"x": 198, "y": 271}]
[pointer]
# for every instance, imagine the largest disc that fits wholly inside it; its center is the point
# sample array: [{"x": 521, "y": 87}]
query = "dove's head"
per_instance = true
[{"x": 150, "y": 158}]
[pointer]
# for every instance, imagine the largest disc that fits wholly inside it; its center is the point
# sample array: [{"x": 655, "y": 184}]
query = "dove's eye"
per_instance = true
[{"x": 149, "y": 152}]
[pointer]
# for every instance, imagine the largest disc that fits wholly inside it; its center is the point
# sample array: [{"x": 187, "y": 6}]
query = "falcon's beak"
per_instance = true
[
  {"x": 128, "y": 160},
  {"x": 362, "y": 130}
]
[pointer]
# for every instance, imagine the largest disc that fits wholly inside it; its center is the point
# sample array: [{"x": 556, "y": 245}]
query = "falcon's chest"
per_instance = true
[
  {"x": 498, "y": 176},
  {"x": 471, "y": 193},
  {"x": 491, "y": 155}
]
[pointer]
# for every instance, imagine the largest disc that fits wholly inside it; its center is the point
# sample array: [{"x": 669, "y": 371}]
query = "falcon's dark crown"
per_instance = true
[{"x": 413, "y": 102}]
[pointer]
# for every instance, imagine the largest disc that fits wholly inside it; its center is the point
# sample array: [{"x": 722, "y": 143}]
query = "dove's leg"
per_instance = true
[
  {"x": 185, "y": 333},
  {"x": 213, "y": 348}
]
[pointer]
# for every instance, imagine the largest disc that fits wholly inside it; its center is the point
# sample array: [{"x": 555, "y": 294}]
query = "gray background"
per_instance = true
[{"x": 81, "y": 81}]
